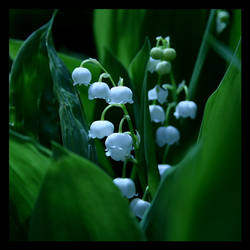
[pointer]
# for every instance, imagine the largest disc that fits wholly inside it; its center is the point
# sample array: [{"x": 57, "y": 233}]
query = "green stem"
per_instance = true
[
  {"x": 103, "y": 75},
  {"x": 185, "y": 88},
  {"x": 145, "y": 193},
  {"x": 100, "y": 65},
  {"x": 121, "y": 123},
  {"x": 107, "y": 108},
  {"x": 174, "y": 89},
  {"x": 170, "y": 106},
  {"x": 165, "y": 153},
  {"x": 124, "y": 169},
  {"x": 133, "y": 172},
  {"x": 130, "y": 125},
  {"x": 159, "y": 79}
]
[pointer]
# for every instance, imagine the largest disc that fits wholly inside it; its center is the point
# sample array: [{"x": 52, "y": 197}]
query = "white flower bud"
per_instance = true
[
  {"x": 100, "y": 129},
  {"x": 157, "y": 113},
  {"x": 163, "y": 68},
  {"x": 120, "y": 95},
  {"x": 126, "y": 185},
  {"x": 169, "y": 54},
  {"x": 185, "y": 109},
  {"x": 221, "y": 20},
  {"x": 99, "y": 90},
  {"x": 162, "y": 168},
  {"x": 152, "y": 64},
  {"x": 81, "y": 76},
  {"x": 156, "y": 53},
  {"x": 139, "y": 207},
  {"x": 158, "y": 93},
  {"x": 167, "y": 135},
  {"x": 119, "y": 146}
]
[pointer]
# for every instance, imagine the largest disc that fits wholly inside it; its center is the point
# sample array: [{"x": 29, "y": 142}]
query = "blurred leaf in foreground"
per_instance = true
[{"x": 79, "y": 202}]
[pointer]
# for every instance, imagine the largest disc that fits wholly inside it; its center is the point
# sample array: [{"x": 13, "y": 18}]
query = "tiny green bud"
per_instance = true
[
  {"x": 163, "y": 67},
  {"x": 169, "y": 54},
  {"x": 156, "y": 53}
]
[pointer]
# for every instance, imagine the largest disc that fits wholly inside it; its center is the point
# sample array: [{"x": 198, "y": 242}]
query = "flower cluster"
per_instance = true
[
  {"x": 166, "y": 134},
  {"x": 119, "y": 145},
  {"x": 161, "y": 56}
]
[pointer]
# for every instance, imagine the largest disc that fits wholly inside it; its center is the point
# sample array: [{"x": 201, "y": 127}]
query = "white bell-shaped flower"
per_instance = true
[
  {"x": 221, "y": 20},
  {"x": 126, "y": 185},
  {"x": 99, "y": 90},
  {"x": 157, "y": 113},
  {"x": 152, "y": 64},
  {"x": 152, "y": 94},
  {"x": 139, "y": 207},
  {"x": 162, "y": 168},
  {"x": 163, "y": 67},
  {"x": 81, "y": 75},
  {"x": 120, "y": 95},
  {"x": 119, "y": 146},
  {"x": 185, "y": 109},
  {"x": 158, "y": 93},
  {"x": 167, "y": 135},
  {"x": 100, "y": 129}
]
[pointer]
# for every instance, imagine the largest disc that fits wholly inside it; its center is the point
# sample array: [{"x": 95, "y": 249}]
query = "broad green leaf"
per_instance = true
[
  {"x": 199, "y": 199},
  {"x": 118, "y": 30},
  {"x": 70, "y": 62},
  {"x": 79, "y": 202},
  {"x": 28, "y": 163},
  {"x": 149, "y": 141},
  {"x": 14, "y": 46},
  {"x": 74, "y": 126},
  {"x": 31, "y": 94}
]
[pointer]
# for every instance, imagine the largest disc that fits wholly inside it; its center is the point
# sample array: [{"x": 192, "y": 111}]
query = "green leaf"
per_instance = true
[
  {"x": 74, "y": 126},
  {"x": 235, "y": 29},
  {"x": 79, "y": 202},
  {"x": 201, "y": 56},
  {"x": 14, "y": 46},
  {"x": 70, "y": 62},
  {"x": 147, "y": 152},
  {"x": 149, "y": 142},
  {"x": 28, "y": 163},
  {"x": 113, "y": 30},
  {"x": 31, "y": 91},
  {"x": 199, "y": 199},
  {"x": 224, "y": 51},
  {"x": 136, "y": 71}
]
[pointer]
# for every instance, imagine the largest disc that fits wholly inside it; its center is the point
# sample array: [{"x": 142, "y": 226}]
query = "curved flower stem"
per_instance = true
[
  {"x": 103, "y": 75},
  {"x": 125, "y": 117},
  {"x": 170, "y": 106},
  {"x": 100, "y": 65},
  {"x": 185, "y": 88},
  {"x": 107, "y": 108}
]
